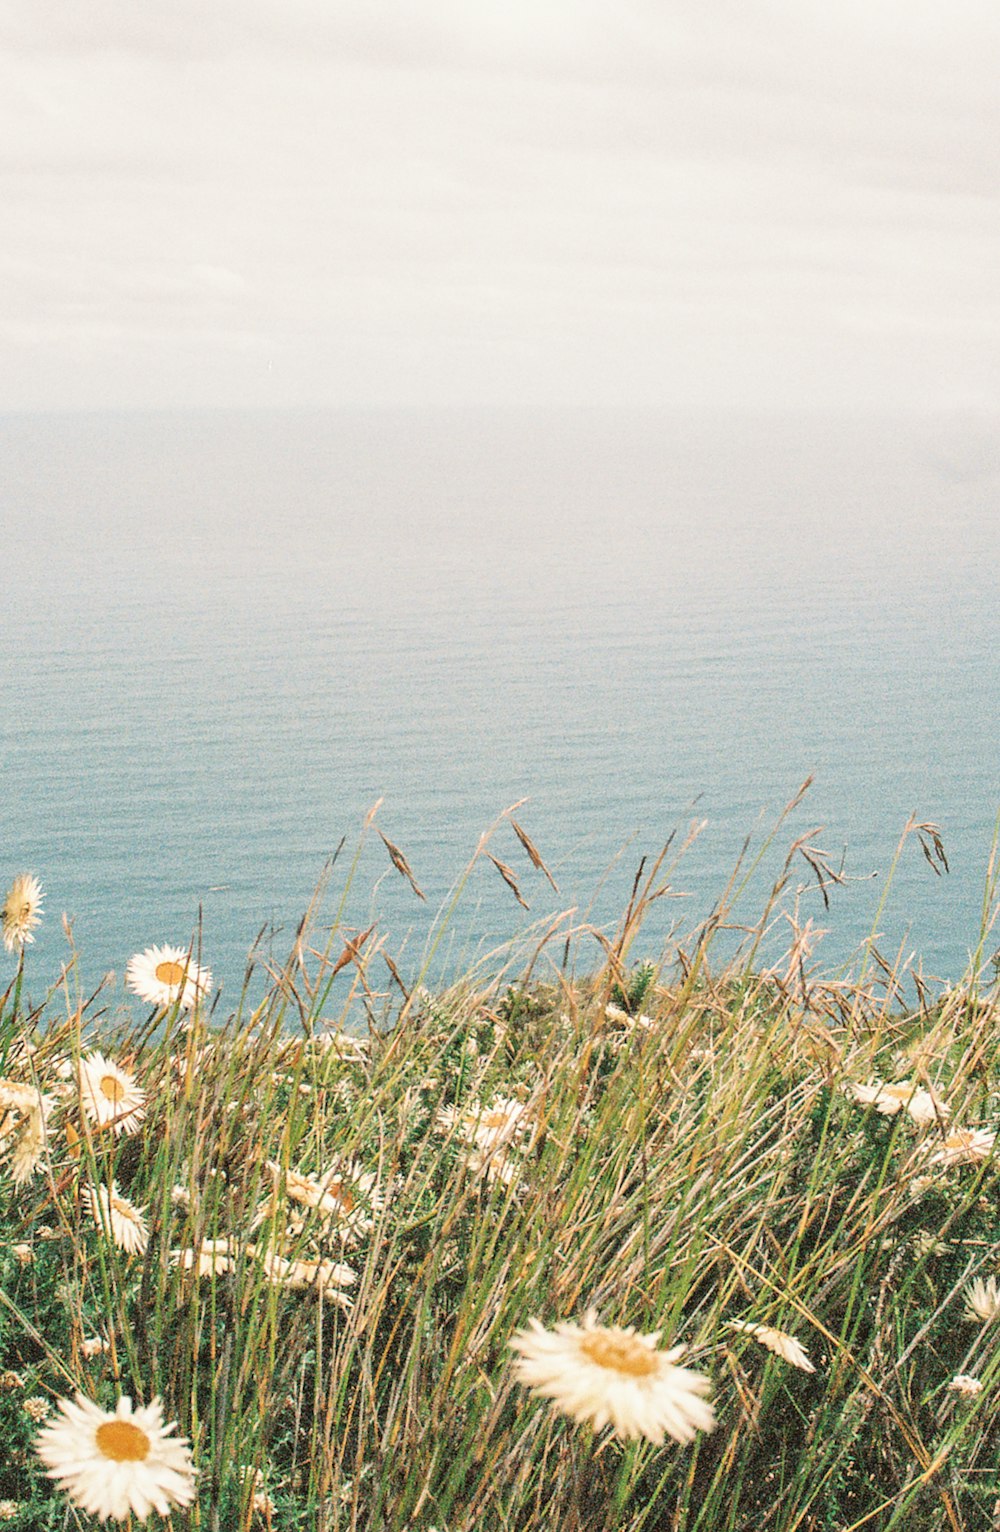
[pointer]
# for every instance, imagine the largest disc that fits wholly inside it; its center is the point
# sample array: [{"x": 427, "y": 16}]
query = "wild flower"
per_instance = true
[
  {"x": 964, "y": 1146},
  {"x": 213, "y": 1256},
  {"x": 346, "y": 1197},
  {"x": 964, "y": 1383},
  {"x": 779, "y": 1341},
  {"x": 609, "y": 1376},
  {"x": 24, "y": 1115},
  {"x": 625, "y": 1019},
  {"x": 982, "y": 1300},
  {"x": 21, "y": 911},
  {"x": 166, "y": 976},
  {"x": 109, "y": 1095},
  {"x": 487, "y": 1127},
  {"x": 924, "y": 1106},
  {"x": 324, "y": 1277},
  {"x": 119, "y": 1463},
  {"x": 117, "y": 1217},
  {"x": 499, "y": 1165},
  {"x": 341, "y": 1045}
]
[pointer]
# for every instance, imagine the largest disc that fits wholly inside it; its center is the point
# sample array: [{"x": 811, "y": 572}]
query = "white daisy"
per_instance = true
[
  {"x": 323, "y": 1277},
  {"x": 982, "y": 1300},
  {"x": 623, "y": 1018},
  {"x": 497, "y": 1165},
  {"x": 167, "y": 976},
  {"x": 117, "y": 1464},
  {"x": 965, "y": 1146},
  {"x": 609, "y": 1376},
  {"x": 117, "y": 1217},
  {"x": 212, "y": 1256},
  {"x": 779, "y": 1341},
  {"x": 24, "y": 1115},
  {"x": 924, "y": 1106},
  {"x": 261, "y": 1502},
  {"x": 15, "y": 1097},
  {"x": 487, "y": 1127},
  {"x": 346, "y": 1196},
  {"x": 21, "y": 911},
  {"x": 340, "y": 1045},
  {"x": 109, "y": 1094}
]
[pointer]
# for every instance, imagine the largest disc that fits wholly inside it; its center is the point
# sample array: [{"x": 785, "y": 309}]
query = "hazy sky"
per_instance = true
[{"x": 646, "y": 201}]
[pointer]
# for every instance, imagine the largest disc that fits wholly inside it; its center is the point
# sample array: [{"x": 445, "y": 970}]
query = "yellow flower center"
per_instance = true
[
  {"x": 122, "y": 1442},
  {"x": 342, "y": 1194},
  {"x": 620, "y": 1353},
  {"x": 169, "y": 973},
  {"x": 112, "y": 1088},
  {"x": 495, "y": 1120}
]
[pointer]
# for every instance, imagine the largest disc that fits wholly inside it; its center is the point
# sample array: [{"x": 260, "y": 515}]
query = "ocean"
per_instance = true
[{"x": 227, "y": 635}]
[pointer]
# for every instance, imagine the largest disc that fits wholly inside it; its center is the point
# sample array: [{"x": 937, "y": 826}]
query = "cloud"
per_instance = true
[{"x": 568, "y": 200}]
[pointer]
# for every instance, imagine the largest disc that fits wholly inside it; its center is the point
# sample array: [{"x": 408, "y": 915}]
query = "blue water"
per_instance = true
[{"x": 227, "y": 635}]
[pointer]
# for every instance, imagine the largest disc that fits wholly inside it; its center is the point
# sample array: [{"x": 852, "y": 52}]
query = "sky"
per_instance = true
[{"x": 707, "y": 203}]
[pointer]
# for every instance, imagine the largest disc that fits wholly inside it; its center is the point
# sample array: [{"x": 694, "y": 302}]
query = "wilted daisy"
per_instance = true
[
  {"x": 120, "y": 1463},
  {"x": 964, "y": 1383},
  {"x": 965, "y": 1146},
  {"x": 21, "y": 911},
  {"x": 779, "y": 1341},
  {"x": 924, "y": 1106},
  {"x": 982, "y": 1300},
  {"x": 119, "y": 1218},
  {"x": 487, "y": 1127},
  {"x": 109, "y": 1094},
  {"x": 608, "y": 1376},
  {"x": 167, "y": 976}
]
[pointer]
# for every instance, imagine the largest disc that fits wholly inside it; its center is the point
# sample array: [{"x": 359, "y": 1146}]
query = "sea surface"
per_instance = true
[{"x": 226, "y": 636}]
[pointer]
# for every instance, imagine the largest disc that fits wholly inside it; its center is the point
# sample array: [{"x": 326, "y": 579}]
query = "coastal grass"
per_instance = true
[{"x": 689, "y": 1152}]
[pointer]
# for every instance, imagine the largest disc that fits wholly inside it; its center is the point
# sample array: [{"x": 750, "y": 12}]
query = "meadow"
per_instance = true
[{"x": 338, "y": 1254}]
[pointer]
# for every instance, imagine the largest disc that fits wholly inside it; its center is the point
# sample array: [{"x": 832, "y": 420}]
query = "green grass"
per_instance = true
[{"x": 699, "y": 1162}]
